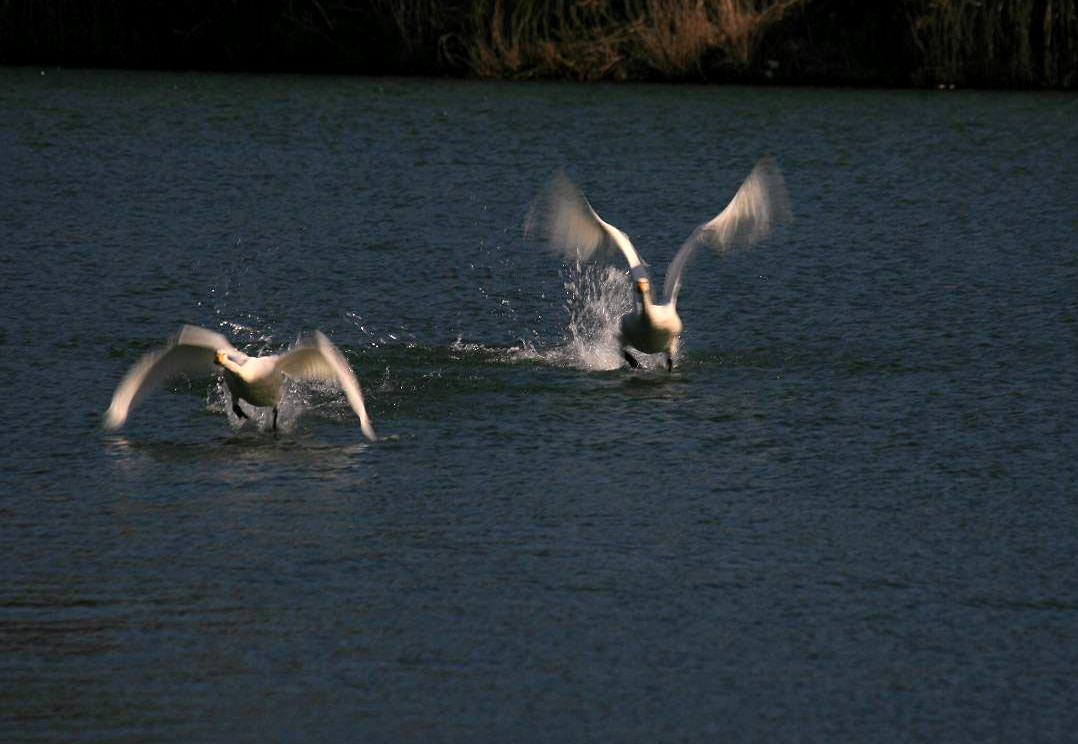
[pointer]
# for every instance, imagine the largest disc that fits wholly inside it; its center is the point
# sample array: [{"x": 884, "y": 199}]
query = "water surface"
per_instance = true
[{"x": 849, "y": 515}]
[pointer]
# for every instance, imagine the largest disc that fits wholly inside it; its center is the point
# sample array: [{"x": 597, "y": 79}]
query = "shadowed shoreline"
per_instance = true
[{"x": 903, "y": 43}]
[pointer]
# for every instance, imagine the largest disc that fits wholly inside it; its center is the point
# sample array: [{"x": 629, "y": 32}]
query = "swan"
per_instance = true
[
  {"x": 564, "y": 217},
  {"x": 257, "y": 380}
]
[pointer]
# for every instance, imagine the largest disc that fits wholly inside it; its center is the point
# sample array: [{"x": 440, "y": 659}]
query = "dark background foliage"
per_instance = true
[{"x": 1009, "y": 43}]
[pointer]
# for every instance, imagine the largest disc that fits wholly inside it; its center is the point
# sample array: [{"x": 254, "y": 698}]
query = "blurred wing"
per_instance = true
[
  {"x": 758, "y": 206},
  {"x": 324, "y": 361},
  {"x": 562, "y": 216},
  {"x": 195, "y": 336},
  {"x": 191, "y": 353}
]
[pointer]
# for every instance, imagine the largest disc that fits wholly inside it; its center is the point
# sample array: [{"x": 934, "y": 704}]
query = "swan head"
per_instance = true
[
  {"x": 220, "y": 357},
  {"x": 643, "y": 285}
]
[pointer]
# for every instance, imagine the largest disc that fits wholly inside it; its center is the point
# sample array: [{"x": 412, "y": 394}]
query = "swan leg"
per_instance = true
[
  {"x": 670, "y": 352},
  {"x": 275, "y": 419},
  {"x": 630, "y": 358},
  {"x": 236, "y": 408}
]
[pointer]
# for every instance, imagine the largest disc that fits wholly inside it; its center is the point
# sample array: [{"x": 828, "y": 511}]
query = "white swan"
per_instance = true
[
  {"x": 563, "y": 216},
  {"x": 257, "y": 380}
]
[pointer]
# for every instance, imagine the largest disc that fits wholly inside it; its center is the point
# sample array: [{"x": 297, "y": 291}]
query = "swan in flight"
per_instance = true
[
  {"x": 563, "y": 216},
  {"x": 257, "y": 380}
]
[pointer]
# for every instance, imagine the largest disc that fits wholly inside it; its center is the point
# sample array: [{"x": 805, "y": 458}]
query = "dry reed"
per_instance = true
[
  {"x": 676, "y": 35},
  {"x": 1005, "y": 42},
  {"x": 1000, "y": 43},
  {"x": 578, "y": 39},
  {"x": 591, "y": 39}
]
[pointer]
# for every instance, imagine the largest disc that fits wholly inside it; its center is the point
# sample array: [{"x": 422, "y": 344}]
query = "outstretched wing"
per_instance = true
[
  {"x": 562, "y": 216},
  {"x": 189, "y": 353},
  {"x": 323, "y": 361},
  {"x": 759, "y": 205}
]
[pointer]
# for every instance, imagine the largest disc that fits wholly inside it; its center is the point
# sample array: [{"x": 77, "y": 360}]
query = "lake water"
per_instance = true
[{"x": 850, "y": 514}]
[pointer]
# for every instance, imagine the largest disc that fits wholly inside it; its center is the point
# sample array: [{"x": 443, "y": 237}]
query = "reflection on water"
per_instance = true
[
  {"x": 251, "y": 445},
  {"x": 247, "y": 458}
]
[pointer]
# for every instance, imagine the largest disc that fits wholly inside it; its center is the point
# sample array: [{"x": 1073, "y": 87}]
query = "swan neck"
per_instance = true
[
  {"x": 645, "y": 297},
  {"x": 231, "y": 366}
]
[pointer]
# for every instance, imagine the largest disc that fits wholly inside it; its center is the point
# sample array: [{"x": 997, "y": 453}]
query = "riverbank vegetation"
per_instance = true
[{"x": 984, "y": 43}]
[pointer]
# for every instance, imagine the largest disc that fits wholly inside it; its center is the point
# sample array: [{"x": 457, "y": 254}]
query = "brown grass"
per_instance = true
[
  {"x": 997, "y": 43},
  {"x": 1008, "y": 42},
  {"x": 675, "y": 35},
  {"x": 578, "y": 39},
  {"x": 589, "y": 39}
]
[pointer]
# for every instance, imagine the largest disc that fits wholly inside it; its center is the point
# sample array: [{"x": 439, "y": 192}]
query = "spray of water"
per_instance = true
[{"x": 596, "y": 297}]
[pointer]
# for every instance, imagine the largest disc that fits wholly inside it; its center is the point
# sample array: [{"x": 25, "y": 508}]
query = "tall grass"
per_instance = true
[
  {"x": 589, "y": 39},
  {"x": 1011, "y": 43},
  {"x": 578, "y": 39},
  {"x": 675, "y": 36},
  {"x": 1003, "y": 42}
]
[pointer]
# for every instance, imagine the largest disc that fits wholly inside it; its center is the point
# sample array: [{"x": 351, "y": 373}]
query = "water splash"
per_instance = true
[
  {"x": 379, "y": 338},
  {"x": 596, "y": 297},
  {"x": 233, "y": 328}
]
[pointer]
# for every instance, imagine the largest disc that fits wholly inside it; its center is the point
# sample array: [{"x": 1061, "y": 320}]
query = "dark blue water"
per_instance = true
[{"x": 849, "y": 515}]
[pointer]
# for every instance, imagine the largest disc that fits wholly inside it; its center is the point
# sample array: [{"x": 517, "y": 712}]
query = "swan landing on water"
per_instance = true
[
  {"x": 257, "y": 380},
  {"x": 563, "y": 217}
]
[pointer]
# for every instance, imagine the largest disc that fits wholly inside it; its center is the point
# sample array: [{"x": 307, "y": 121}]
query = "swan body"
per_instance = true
[
  {"x": 652, "y": 327},
  {"x": 257, "y": 380},
  {"x": 565, "y": 218}
]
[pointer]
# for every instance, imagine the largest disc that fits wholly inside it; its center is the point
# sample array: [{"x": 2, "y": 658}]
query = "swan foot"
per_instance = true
[{"x": 630, "y": 358}]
